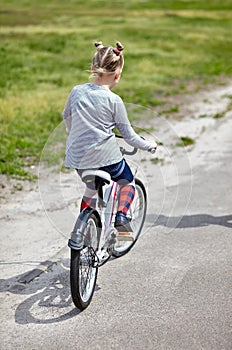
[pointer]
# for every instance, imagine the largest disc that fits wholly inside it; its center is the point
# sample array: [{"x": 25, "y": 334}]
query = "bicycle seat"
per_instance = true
[{"x": 97, "y": 177}]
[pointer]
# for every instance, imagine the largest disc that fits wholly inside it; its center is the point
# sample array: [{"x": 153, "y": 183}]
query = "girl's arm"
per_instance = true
[{"x": 129, "y": 135}]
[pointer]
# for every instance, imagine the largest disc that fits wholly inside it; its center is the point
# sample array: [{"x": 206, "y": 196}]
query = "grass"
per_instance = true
[
  {"x": 46, "y": 48},
  {"x": 185, "y": 141},
  {"x": 157, "y": 160},
  {"x": 173, "y": 109}
]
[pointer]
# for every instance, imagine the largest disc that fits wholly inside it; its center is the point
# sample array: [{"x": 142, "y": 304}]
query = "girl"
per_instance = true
[{"x": 91, "y": 112}]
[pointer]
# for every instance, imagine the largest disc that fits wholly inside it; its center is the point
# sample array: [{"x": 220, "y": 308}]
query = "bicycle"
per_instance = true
[{"x": 94, "y": 238}]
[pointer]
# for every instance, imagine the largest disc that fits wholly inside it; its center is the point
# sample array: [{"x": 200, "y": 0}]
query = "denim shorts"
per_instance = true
[{"x": 120, "y": 172}]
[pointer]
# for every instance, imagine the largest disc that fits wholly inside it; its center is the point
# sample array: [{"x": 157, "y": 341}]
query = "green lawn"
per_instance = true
[{"x": 46, "y": 48}]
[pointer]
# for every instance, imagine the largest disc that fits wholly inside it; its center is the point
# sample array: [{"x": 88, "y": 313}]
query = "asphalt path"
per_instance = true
[{"x": 172, "y": 291}]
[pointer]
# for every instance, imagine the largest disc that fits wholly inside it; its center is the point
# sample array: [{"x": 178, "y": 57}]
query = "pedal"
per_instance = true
[{"x": 125, "y": 236}]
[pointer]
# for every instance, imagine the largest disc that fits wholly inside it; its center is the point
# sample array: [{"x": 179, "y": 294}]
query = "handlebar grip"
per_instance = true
[{"x": 152, "y": 150}]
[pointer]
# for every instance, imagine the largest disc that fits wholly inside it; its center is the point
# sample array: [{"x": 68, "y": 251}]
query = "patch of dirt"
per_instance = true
[
  {"x": 10, "y": 188},
  {"x": 197, "y": 101}
]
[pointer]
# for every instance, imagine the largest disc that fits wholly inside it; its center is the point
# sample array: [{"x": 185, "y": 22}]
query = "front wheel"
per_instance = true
[
  {"x": 83, "y": 265},
  {"x": 137, "y": 213}
]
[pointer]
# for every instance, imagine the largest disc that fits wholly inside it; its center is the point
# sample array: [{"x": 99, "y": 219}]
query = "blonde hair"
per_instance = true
[{"x": 107, "y": 59}]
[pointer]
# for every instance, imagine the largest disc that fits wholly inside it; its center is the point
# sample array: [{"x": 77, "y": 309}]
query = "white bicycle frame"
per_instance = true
[
  {"x": 106, "y": 211},
  {"x": 107, "y": 208}
]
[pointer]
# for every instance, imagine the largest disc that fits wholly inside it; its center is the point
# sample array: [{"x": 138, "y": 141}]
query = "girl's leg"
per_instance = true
[
  {"x": 122, "y": 223},
  {"x": 89, "y": 198},
  {"x": 126, "y": 197},
  {"x": 122, "y": 174}
]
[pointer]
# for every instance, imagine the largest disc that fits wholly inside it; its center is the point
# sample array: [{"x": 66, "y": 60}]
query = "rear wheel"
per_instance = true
[
  {"x": 137, "y": 213},
  {"x": 83, "y": 267}
]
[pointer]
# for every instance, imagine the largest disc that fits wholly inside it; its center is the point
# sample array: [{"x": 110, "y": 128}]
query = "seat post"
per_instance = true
[{"x": 100, "y": 196}]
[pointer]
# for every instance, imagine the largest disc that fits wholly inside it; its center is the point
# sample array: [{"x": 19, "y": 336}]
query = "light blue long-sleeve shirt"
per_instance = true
[{"x": 90, "y": 114}]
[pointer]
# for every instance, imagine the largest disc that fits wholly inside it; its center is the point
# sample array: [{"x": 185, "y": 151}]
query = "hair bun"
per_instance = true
[
  {"x": 119, "y": 46},
  {"x": 99, "y": 45}
]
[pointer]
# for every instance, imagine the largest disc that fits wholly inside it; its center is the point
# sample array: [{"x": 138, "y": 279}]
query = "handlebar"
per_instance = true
[
  {"x": 129, "y": 153},
  {"x": 134, "y": 151}
]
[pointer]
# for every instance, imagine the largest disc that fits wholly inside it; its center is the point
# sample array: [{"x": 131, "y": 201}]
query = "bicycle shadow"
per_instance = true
[
  {"x": 188, "y": 221},
  {"x": 49, "y": 295}
]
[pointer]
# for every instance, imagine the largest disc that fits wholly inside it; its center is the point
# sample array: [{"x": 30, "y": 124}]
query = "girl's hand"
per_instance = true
[{"x": 153, "y": 148}]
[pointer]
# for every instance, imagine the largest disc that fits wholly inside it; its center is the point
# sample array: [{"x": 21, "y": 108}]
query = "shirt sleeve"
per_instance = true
[
  {"x": 124, "y": 127},
  {"x": 67, "y": 113}
]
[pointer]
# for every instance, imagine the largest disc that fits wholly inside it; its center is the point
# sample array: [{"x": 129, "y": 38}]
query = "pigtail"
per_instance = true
[
  {"x": 98, "y": 45},
  {"x": 118, "y": 49}
]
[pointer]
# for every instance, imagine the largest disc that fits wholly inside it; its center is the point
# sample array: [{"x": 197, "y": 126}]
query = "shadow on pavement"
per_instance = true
[
  {"x": 49, "y": 301},
  {"x": 188, "y": 221},
  {"x": 48, "y": 286}
]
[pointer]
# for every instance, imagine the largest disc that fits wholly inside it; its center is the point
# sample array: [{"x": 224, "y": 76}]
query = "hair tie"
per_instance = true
[
  {"x": 116, "y": 51},
  {"x": 119, "y": 47}
]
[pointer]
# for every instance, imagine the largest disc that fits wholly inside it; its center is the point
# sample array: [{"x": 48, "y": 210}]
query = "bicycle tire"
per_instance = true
[
  {"x": 137, "y": 212},
  {"x": 83, "y": 268}
]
